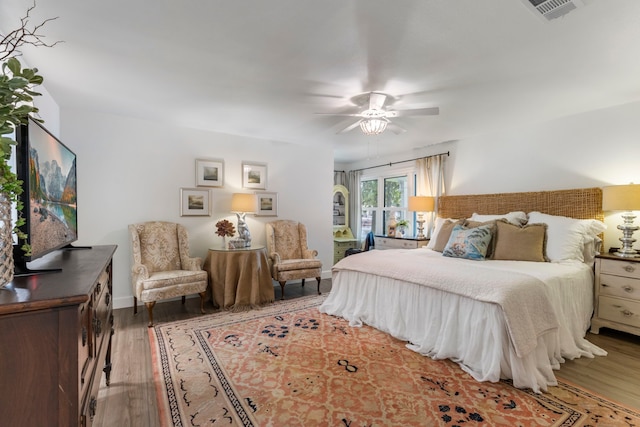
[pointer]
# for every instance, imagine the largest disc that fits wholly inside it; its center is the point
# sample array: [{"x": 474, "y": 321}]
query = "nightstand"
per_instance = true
[
  {"x": 387, "y": 242},
  {"x": 617, "y": 294}
]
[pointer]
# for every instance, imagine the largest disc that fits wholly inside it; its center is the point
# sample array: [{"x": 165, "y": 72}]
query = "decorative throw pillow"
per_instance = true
[
  {"x": 492, "y": 223},
  {"x": 520, "y": 243},
  {"x": 469, "y": 243},
  {"x": 440, "y": 240}
]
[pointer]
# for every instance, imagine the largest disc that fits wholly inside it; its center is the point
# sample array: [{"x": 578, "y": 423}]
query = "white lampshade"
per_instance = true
[
  {"x": 421, "y": 203},
  {"x": 373, "y": 126},
  {"x": 244, "y": 203},
  {"x": 621, "y": 198}
]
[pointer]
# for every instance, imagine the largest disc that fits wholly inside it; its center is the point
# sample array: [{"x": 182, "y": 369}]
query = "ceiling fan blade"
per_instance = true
[
  {"x": 350, "y": 127},
  {"x": 395, "y": 128},
  {"x": 432, "y": 111},
  {"x": 341, "y": 114},
  {"x": 376, "y": 100}
]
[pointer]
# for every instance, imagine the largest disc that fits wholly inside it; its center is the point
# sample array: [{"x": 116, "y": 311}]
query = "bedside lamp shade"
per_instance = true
[
  {"x": 623, "y": 198},
  {"x": 244, "y": 203},
  {"x": 421, "y": 204}
]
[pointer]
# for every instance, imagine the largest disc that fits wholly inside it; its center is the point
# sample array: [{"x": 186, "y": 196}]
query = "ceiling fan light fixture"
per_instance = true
[{"x": 373, "y": 126}]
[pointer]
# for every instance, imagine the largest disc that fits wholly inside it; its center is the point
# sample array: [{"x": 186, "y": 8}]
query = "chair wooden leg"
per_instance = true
[
  {"x": 184, "y": 298},
  {"x": 318, "y": 279},
  {"x": 282, "y": 283},
  {"x": 135, "y": 306},
  {"x": 150, "y": 310},
  {"x": 202, "y": 296}
]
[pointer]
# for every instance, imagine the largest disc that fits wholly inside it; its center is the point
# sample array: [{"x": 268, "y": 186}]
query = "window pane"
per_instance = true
[
  {"x": 369, "y": 193},
  {"x": 368, "y": 221},
  {"x": 395, "y": 192}
]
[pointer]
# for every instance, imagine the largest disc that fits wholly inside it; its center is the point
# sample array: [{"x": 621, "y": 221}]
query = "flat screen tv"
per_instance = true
[{"x": 47, "y": 169}]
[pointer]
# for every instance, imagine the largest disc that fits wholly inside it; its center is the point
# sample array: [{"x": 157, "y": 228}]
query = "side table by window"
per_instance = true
[{"x": 239, "y": 278}]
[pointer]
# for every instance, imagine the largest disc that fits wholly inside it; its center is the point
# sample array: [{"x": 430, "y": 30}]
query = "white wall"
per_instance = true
[
  {"x": 592, "y": 149},
  {"x": 131, "y": 170}
]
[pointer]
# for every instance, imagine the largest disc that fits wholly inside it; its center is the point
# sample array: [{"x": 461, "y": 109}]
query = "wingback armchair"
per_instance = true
[
  {"x": 162, "y": 267},
  {"x": 289, "y": 256}
]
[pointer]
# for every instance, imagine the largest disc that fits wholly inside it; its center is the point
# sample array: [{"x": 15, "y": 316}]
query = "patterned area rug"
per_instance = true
[{"x": 289, "y": 365}]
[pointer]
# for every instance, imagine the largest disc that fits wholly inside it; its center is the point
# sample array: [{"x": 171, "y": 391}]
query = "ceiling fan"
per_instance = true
[{"x": 373, "y": 112}]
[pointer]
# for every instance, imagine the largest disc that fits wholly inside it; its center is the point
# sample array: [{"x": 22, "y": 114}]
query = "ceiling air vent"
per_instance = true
[{"x": 552, "y": 9}]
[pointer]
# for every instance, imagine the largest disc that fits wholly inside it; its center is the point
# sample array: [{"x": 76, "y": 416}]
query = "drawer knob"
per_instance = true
[
  {"x": 627, "y": 313},
  {"x": 628, "y": 288},
  {"x": 629, "y": 268}
]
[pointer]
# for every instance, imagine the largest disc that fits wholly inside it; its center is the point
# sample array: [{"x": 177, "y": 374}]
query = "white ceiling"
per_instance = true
[{"x": 263, "y": 69}]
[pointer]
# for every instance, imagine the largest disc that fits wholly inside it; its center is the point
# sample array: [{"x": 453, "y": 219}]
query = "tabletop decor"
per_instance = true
[{"x": 225, "y": 229}]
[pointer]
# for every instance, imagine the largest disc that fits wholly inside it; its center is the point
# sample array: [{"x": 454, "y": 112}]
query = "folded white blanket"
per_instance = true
[{"x": 523, "y": 298}]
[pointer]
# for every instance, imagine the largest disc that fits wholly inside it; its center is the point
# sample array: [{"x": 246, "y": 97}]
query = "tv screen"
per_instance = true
[{"x": 47, "y": 169}]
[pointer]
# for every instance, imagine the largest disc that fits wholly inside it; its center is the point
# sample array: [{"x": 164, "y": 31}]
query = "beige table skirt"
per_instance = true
[{"x": 239, "y": 279}]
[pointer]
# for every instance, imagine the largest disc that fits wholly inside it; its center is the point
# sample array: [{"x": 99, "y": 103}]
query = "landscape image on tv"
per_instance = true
[{"x": 52, "y": 193}]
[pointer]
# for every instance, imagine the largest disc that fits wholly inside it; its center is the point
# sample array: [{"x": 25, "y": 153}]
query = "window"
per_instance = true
[{"x": 385, "y": 196}]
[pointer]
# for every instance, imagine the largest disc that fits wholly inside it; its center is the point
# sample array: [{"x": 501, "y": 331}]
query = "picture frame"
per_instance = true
[
  {"x": 195, "y": 202},
  {"x": 209, "y": 172},
  {"x": 267, "y": 204},
  {"x": 254, "y": 175}
]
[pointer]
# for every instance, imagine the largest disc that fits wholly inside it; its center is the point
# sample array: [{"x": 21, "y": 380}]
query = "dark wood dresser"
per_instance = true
[{"x": 55, "y": 339}]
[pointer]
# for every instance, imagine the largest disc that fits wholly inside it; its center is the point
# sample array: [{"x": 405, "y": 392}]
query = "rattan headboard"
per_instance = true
[{"x": 583, "y": 203}]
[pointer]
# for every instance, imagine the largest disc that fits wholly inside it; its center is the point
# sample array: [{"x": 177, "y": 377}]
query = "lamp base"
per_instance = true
[
  {"x": 627, "y": 228},
  {"x": 420, "y": 235}
]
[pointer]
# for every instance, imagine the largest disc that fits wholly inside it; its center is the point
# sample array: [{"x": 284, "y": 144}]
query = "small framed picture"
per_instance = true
[
  {"x": 267, "y": 204},
  {"x": 254, "y": 175},
  {"x": 195, "y": 202},
  {"x": 209, "y": 173}
]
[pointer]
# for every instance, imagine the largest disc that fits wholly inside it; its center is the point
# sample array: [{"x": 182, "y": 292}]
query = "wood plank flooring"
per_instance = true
[{"x": 130, "y": 400}]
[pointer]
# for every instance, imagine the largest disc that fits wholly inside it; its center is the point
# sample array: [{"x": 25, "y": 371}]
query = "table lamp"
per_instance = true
[
  {"x": 242, "y": 204},
  {"x": 624, "y": 198},
  {"x": 421, "y": 204}
]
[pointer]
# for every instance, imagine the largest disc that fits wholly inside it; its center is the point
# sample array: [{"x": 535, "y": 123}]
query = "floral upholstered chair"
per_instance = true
[
  {"x": 162, "y": 267},
  {"x": 289, "y": 256}
]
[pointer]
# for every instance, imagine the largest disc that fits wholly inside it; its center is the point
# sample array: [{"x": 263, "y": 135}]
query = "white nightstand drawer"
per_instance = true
[
  {"x": 620, "y": 268},
  {"x": 619, "y": 310},
  {"x": 619, "y": 286}
]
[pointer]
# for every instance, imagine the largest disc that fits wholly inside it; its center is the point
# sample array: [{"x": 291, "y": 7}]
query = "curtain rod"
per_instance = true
[{"x": 402, "y": 161}]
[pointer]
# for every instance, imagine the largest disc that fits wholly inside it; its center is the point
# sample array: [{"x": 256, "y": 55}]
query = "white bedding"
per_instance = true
[{"x": 474, "y": 333}]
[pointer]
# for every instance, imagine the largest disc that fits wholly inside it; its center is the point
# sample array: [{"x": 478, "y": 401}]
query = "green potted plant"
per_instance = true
[
  {"x": 401, "y": 227},
  {"x": 16, "y": 105}
]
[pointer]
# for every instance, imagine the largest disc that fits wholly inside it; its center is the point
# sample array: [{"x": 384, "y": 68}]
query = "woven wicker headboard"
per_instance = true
[{"x": 584, "y": 203}]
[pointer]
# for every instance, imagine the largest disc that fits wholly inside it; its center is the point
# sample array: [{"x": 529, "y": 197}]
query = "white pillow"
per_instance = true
[
  {"x": 567, "y": 237},
  {"x": 516, "y": 218},
  {"x": 436, "y": 229}
]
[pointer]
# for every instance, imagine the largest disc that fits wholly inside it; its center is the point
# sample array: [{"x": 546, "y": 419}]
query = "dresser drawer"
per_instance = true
[
  {"x": 620, "y": 268},
  {"x": 619, "y": 310},
  {"x": 391, "y": 243},
  {"x": 619, "y": 286}
]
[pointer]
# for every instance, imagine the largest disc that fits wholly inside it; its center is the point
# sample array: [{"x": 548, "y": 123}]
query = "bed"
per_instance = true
[{"x": 507, "y": 315}]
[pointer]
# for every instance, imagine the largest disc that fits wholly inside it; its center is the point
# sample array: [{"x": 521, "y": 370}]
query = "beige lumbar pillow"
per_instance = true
[{"x": 515, "y": 243}]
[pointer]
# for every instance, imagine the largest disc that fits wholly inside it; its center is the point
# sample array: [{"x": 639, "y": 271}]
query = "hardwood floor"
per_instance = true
[{"x": 130, "y": 400}]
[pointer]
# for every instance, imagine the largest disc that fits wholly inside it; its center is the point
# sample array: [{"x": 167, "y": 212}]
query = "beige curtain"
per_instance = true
[
  {"x": 355, "y": 215},
  {"x": 430, "y": 182}
]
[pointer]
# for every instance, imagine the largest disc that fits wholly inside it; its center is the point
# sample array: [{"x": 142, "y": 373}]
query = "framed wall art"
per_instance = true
[
  {"x": 209, "y": 173},
  {"x": 195, "y": 202},
  {"x": 267, "y": 204},
  {"x": 254, "y": 175}
]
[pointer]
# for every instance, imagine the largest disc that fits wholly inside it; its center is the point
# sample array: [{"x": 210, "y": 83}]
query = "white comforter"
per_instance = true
[{"x": 411, "y": 294}]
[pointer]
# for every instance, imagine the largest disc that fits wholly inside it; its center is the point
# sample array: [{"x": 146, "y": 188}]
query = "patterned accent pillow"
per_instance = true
[{"x": 468, "y": 243}]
